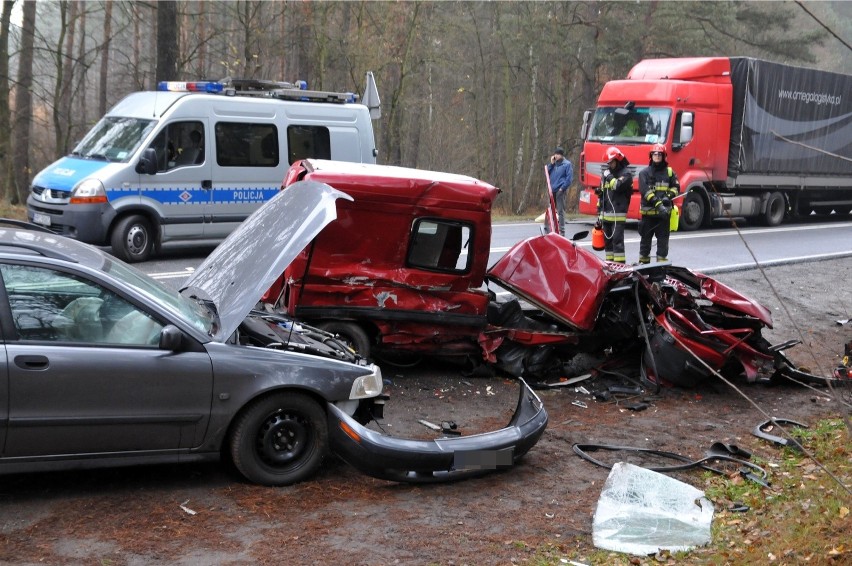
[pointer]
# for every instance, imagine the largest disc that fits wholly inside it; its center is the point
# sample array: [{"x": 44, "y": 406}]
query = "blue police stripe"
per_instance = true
[{"x": 192, "y": 196}]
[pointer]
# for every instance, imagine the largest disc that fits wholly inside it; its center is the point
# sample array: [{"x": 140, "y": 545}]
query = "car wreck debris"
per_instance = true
[
  {"x": 643, "y": 512},
  {"x": 763, "y": 431},
  {"x": 423, "y": 237}
]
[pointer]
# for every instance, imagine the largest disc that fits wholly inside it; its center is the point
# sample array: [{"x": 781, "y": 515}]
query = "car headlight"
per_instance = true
[
  {"x": 89, "y": 191},
  {"x": 368, "y": 385}
]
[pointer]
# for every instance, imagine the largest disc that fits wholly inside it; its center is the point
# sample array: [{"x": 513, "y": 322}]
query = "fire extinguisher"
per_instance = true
[
  {"x": 674, "y": 219},
  {"x": 598, "y": 243}
]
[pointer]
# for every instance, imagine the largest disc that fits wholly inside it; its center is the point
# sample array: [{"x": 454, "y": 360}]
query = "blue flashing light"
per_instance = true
[
  {"x": 303, "y": 85},
  {"x": 197, "y": 86}
]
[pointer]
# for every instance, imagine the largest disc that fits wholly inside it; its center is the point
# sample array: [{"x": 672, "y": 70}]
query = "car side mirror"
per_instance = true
[
  {"x": 171, "y": 338},
  {"x": 147, "y": 164}
]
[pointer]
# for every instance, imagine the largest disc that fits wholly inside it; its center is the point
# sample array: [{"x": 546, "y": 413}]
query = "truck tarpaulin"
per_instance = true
[{"x": 789, "y": 120}]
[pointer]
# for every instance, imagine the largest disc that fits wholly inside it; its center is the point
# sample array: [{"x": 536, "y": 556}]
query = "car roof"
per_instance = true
[{"x": 23, "y": 239}]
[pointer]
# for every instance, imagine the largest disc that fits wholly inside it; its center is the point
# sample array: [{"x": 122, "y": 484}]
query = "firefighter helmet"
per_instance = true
[
  {"x": 613, "y": 152},
  {"x": 658, "y": 147}
]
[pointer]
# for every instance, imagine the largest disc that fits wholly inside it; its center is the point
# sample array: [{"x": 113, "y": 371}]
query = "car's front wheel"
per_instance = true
[{"x": 280, "y": 439}]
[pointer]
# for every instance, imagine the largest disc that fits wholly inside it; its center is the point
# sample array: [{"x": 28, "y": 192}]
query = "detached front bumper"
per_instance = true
[{"x": 440, "y": 459}]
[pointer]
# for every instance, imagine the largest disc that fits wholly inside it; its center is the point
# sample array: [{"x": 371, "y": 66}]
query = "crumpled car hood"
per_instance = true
[
  {"x": 553, "y": 274},
  {"x": 238, "y": 272},
  {"x": 570, "y": 283}
]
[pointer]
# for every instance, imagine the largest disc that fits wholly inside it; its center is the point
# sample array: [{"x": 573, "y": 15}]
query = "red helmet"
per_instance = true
[
  {"x": 658, "y": 147},
  {"x": 613, "y": 152}
]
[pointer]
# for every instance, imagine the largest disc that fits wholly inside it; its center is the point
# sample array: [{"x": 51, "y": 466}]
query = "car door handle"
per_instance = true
[
  {"x": 207, "y": 184},
  {"x": 32, "y": 362}
]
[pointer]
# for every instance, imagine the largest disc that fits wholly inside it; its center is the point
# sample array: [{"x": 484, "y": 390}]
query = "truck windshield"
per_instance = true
[
  {"x": 613, "y": 124},
  {"x": 114, "y": 139}
]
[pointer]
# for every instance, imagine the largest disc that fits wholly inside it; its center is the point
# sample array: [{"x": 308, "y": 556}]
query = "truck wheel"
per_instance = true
[
  {"x": 132, "y": 239},
  {"x": 350, "y": 334},
  {"x": 692, "y": 213},
  {"x": 280, "y": 439},
  {"x": 776, "y": 207}
]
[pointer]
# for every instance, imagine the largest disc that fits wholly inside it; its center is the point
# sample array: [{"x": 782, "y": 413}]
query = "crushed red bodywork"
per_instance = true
[{"x": 403, "y": 270}]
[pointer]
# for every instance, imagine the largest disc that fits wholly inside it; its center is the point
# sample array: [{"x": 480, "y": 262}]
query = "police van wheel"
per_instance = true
[{"x": 132, "y": 239}]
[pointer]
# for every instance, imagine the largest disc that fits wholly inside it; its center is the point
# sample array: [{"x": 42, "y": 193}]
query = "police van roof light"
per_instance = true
[{"x": 197, "y": 86}]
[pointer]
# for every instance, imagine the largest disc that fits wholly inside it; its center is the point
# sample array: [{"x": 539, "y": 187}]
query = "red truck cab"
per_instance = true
[
  {"x": 747, "y": 138},
  {"x": 696, "y": 94}
]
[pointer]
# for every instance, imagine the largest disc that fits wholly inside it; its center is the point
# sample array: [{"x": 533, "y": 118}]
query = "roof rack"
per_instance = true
[{"x": 261, "y": 89}]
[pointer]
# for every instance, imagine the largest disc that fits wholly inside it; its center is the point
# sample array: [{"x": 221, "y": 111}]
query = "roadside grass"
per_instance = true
[
  {"x": 803, "y": 518},
  {"x": 13, "y": 211}
]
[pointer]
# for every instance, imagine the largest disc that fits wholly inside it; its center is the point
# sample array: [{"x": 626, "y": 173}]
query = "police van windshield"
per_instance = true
[
  {"x": 114, "y": 139},
  {"x": 613, "y": 124}
]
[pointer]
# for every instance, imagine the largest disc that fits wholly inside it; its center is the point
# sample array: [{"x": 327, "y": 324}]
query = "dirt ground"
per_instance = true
[{"x": 204, "y": 514}]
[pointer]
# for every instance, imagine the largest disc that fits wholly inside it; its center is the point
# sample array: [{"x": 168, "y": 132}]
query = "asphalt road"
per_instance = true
[{"x": 722, "y": 248}]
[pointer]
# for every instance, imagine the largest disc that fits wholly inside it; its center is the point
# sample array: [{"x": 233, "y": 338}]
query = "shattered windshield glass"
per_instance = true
[
  {"x": 638, "y": 125},
  {"x": 113, "y": 139}
]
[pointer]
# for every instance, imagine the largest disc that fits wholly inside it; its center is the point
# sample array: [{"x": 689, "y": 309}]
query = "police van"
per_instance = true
[{"x": 191, "y": 160}]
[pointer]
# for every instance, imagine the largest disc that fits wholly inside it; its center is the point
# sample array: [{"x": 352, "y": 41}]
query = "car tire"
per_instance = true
[
  {"x": 692, "y": 212},
  {"x": 280, "y": 439},
  {"x": 132, "y": 239},
  {"x": 776, "y": 209},
  {"x": 350, "y": 334}
]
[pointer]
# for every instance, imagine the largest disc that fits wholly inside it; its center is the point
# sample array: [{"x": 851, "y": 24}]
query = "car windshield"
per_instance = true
[
  {"x": 198, "y": 315},
  {"x": 114, "y": 139},
  {"x": 613, "y": 124}
]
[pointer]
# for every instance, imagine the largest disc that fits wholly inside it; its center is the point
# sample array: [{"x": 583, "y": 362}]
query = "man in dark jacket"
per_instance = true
[
  {"x": 561, "y": 174},
  {"x": 658, "y": 185},
  {"x": 613, "y": 200}
]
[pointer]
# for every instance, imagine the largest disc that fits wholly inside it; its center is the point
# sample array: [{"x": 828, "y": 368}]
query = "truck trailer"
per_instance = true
[{"x": 747, "y": 138}]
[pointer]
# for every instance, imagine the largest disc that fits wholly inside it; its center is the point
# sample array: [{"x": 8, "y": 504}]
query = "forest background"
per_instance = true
[{"x": 485, "y": 89}]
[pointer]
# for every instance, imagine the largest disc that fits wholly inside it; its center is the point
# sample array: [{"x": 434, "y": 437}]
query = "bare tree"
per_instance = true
[
  {"x": 103, "y": 77},
  {"x": 23, "y": 106},
  {"x": 167, "y": 34},
  {"x": 5, "y": 119}
]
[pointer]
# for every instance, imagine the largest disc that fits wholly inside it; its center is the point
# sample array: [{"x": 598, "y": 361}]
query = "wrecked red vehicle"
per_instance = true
[{"x": 403, "y": 270}]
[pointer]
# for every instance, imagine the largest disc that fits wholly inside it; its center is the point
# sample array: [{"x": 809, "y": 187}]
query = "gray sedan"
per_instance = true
[{"x": 106, "y": 367}]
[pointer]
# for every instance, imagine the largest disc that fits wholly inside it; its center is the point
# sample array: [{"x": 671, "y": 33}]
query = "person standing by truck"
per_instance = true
[
  {"x": 613, "y": 200},
  {"x": 658, "y": 185},
  {"x": 561, "y": 174}
]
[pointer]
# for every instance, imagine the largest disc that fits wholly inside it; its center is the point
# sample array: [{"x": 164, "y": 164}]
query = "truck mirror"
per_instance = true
[
  {"x": 148, "y": 162},
  {"x": 584, "y": 129},
  {"x": 685, "y": 134},
  {"x": 686, "y": 119}
]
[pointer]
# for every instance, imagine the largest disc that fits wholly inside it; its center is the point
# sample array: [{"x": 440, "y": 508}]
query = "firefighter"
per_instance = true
[
  {"x": 613, "y": 200},
  {"x": 658, "y": 185}
]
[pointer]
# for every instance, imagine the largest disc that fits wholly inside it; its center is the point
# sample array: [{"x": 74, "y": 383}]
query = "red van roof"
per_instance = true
[{"x": 387, "y": 184}]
